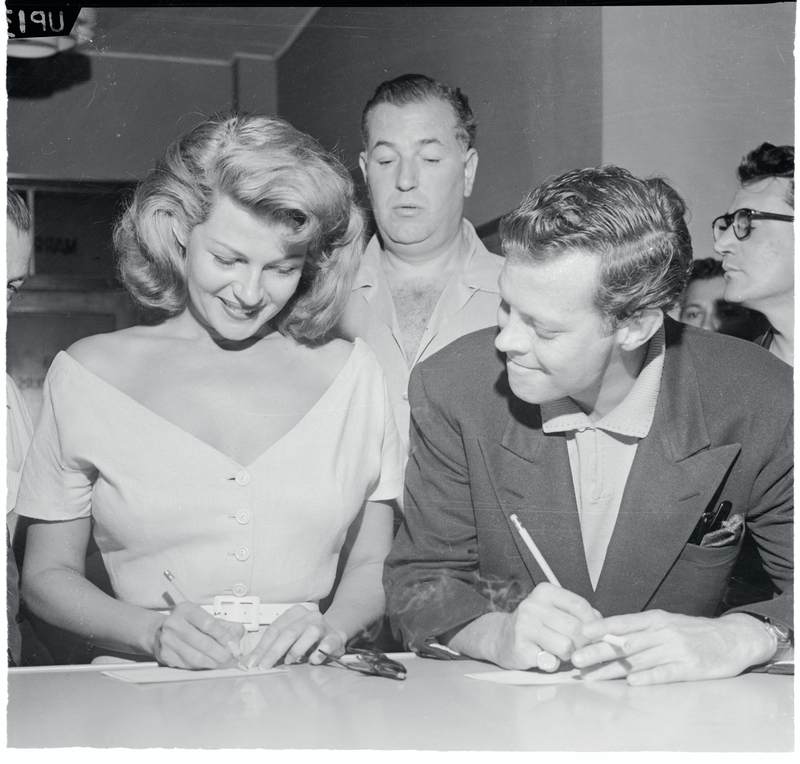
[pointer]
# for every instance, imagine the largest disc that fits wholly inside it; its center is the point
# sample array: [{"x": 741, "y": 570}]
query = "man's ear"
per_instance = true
[
  {"x": 362, "y": 163},
  {"x": 639, "y": 328},
  {"x": 470, "y": 168}
]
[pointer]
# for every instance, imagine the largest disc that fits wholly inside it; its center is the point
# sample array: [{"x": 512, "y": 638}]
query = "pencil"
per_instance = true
[
  {"x": 613, "y": 639},
  {"x": 534, "y": 550},
  {"x": 171, "y": 578},
  {"x": 545, "y": 661},
  {"x": 232, "y": 647}
]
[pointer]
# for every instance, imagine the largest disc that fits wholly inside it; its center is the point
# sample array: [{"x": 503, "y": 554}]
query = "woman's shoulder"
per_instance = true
[
  {"x": 343, "y": 359},
  {"x": 325, "y": 361},
  {"x": 104, "y": 353},
  {"x": 339, "y": 353}
]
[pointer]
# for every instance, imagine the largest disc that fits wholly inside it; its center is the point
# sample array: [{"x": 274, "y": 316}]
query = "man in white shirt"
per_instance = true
[{"x": 426, "y": 278}]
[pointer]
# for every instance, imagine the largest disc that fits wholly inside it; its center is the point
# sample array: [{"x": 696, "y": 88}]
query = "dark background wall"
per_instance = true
[
  {"x": 682, "y": 91},
  {"x": 112, "y": 124},
  {"x": 533, "y": 77}
]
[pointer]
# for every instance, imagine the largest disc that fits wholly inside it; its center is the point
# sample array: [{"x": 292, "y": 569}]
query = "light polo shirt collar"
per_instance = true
[
  {"x": 478, "y": 272},
  {"x": 632, "y": 417}
]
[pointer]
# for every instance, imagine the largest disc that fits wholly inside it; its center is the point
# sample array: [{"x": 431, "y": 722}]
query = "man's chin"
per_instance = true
[
  {"x": 405, "y": 236},
  {"x": 531, "y": 394}
]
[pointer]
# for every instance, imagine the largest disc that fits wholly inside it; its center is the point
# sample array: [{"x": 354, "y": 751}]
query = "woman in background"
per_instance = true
[{"x": 233, "y": 442}]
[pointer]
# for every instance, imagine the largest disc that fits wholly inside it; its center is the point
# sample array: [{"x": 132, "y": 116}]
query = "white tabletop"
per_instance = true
[{"x": 435, "y": 708}]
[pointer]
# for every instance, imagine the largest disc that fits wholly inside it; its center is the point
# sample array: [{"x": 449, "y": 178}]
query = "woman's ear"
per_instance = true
[
  {"x": 639, "y": 328},
  {"x": 180, "y": 238}
]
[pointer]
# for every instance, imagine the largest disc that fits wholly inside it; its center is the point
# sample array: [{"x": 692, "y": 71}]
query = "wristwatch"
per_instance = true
[{"x": 782, "y": 635}]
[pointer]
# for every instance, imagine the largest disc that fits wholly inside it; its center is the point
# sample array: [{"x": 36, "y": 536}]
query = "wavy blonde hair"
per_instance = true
[{"x": 269, "y": 168}]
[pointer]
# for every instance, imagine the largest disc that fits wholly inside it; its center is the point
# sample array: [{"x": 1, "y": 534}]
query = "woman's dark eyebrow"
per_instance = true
[{"x": 236, "y": 253}]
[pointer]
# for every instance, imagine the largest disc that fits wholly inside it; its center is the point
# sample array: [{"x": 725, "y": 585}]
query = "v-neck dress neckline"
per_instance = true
[
  {"x": 329, "y": 392},
  {"x": 160, "y": 498}
]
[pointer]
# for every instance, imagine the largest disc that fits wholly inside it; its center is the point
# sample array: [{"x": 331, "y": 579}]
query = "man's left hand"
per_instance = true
[{"x": 662, "y": 647}]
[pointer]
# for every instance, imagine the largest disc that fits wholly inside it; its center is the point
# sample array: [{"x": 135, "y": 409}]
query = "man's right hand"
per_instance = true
[{"x": 549, "y": 618}]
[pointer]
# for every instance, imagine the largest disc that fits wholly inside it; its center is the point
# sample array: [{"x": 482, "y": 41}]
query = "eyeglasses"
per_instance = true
[
  {"x": 742, "y": 222},
  {"x": 370, "y": 662}
]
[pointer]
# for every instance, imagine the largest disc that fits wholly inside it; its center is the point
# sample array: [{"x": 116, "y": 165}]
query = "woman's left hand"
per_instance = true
[{"x": 291, "y": 636}]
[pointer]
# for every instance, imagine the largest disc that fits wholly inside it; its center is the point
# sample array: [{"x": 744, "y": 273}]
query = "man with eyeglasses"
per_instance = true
[{"x": 756, "y": 241}]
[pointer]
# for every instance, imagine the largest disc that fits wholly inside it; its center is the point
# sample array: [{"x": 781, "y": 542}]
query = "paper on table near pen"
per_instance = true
[
  {"x": 167, "y": 674},
  {"x": 528, "y": 677}
]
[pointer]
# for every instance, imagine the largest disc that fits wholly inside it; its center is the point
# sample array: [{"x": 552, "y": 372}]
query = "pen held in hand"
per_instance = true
[
  {"x": 545, "y": 660},
  {"x": 171, "y": 578},
  {"x": 534, "y": 550},
  {"x": 232, "y": 647},
  {"x": 615, "y": 640}
]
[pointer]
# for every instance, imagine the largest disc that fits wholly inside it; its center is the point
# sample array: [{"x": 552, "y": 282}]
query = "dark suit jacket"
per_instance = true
[{"x": 722, "y": 431}]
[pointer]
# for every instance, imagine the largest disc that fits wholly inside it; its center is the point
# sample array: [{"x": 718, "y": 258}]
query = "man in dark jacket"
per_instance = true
[{"x": 637, "y": 453}]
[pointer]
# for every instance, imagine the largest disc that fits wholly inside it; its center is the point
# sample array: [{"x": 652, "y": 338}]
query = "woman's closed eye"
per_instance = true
[
  {"x": 224, "y": 261},
  {"x": 286, "y": 271}
]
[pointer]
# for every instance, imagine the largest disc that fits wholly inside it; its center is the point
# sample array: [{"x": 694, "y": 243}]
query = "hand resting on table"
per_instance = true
[
  {"x": 662, "y": 647},
  {"x": 292, "y": 635}
]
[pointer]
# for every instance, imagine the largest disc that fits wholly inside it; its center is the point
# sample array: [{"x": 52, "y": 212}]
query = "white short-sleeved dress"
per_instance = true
[{"x": 162, "y": 499}]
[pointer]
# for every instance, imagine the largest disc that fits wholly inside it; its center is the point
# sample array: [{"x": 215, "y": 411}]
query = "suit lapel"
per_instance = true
[
  {"x": 531, "y": 477},
  {"x": 662, "y": 503},
  {"x": 674, "y": 477}
]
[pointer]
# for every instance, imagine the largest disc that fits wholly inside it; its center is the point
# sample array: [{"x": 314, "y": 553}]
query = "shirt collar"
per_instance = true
[
  {"x": 369, "y": 270},
  {"x": 633, "y": 416},
  {"x": 479, "y": 272}
]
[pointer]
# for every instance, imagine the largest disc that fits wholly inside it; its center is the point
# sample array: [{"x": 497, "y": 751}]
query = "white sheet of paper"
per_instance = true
[
  {"x": 528, "y": 677},
  {"x": 167, "y": 674}
]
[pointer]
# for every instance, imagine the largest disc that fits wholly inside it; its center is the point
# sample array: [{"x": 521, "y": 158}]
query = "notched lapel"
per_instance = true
[{"x": 530, "y": 476}]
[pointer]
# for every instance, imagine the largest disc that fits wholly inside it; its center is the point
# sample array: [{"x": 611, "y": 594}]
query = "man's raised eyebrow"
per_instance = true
[{"x": 420, "y": 142}]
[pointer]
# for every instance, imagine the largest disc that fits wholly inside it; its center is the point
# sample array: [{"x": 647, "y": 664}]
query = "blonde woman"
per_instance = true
[{"x": 232, "y": 441}]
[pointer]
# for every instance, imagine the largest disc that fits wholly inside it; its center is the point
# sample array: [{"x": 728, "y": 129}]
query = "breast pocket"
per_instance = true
[{"x": 697, "y": 581}]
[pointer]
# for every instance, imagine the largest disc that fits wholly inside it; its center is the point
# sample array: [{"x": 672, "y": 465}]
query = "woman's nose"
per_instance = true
[{"x": 250, "y": 288}]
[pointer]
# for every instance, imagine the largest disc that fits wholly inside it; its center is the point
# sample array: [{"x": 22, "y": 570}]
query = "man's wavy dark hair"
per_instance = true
[
  {"x": 768, "y": 161},
  {"x": 635, "y": 227},
  {"x": 416, "y": 88}
]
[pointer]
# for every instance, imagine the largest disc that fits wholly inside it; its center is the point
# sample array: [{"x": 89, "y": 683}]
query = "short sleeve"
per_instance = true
[
  {"x": 19, "y": 431},
  {"x": 393, "y": 454},
  {"x": 57, "y": 478}
]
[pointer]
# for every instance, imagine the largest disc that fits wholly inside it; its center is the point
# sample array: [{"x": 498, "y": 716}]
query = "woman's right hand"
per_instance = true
[{"x": 191, "y": 638}]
